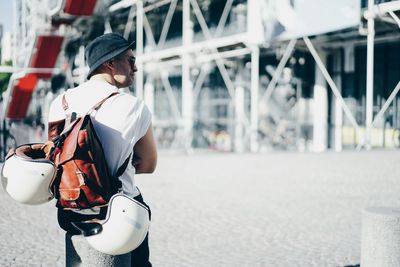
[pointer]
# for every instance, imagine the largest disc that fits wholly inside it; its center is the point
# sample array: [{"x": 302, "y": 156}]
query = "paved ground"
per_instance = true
[{"x": 280, "y": 209}]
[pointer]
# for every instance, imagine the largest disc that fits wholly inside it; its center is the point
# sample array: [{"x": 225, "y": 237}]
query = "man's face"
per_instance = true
[{"x": 124, "y": 69}]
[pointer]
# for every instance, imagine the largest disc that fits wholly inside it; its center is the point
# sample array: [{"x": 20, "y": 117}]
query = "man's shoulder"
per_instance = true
[
  {"x": 125, "y": 105},
  {"x": 60, "y": 94},
  {"x": 124, "y": 98}
]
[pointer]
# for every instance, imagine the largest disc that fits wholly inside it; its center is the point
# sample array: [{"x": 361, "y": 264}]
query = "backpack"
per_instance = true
[{"x": 83, "y": 180}]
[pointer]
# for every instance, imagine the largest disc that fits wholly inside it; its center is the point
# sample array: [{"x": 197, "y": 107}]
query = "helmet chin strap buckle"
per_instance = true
[{"x": 88, "y": 228}]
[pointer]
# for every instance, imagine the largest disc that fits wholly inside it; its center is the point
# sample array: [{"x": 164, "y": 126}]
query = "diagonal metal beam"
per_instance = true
[
  {"x": 168, "y": 89},
  {"x": 381, "y": 112},
  {"x": 199, "y": 82},
  {"x": 278, "y": 71},
  {"x": 224, "y": 17},
  {"x": 129, "y": 22},
  {"x": 200, "y": 19},
  {"x": 121, "y": 4},
  {"x": 387, "y": 103},
  {"x": 167, "y": 24},
  {"x": 331, "y": 83},
  {"x": 207, "y": 34},
  {"x": 148, "y": 31},
  {"x": 395, "y": 17},
  {"x": 126, "y": 3}
]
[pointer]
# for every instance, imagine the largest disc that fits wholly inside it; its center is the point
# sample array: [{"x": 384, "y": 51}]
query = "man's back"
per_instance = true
[{"x": 120, "y": 122}]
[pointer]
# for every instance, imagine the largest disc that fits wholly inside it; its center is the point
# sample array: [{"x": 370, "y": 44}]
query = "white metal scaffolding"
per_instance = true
[{"x": 179, "y": 73}]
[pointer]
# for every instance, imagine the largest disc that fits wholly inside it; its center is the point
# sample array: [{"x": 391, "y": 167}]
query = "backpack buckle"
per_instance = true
[{"x": 81, "y": 177}]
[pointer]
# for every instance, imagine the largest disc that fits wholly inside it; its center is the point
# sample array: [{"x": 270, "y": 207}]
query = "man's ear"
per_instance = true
[{"x": 109, "y": 64}]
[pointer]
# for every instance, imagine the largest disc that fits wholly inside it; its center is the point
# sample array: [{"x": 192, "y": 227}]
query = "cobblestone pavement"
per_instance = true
[{"x": 278, "y": 209}]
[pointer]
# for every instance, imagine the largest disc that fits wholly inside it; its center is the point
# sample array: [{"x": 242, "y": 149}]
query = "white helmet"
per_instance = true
[
  {"x": 27, "y": 175},
  {"x": 123, "y": 230}
]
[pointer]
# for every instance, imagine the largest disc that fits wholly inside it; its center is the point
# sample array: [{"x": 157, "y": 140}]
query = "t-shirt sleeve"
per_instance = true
[
  {"x": 124, "y": 120},
  {"x": 144, "y": 121}
]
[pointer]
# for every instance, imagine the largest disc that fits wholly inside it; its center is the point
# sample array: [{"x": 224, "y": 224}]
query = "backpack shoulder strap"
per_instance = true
[
  {"x": 70, "y": 116},
  {"x": 64, "y": 103},
  {"x": 120, "y": 171},
  {"x": 99, "y": 104},
  {"x": 123, "y": 167},
  {"x": 94, "y": 108}
]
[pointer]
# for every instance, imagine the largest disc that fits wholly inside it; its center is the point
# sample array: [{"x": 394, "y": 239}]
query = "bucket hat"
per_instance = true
[{"x": 104, "y": 48}]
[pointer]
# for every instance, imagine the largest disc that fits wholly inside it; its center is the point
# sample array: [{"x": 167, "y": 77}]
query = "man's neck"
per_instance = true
[{"x": 102, "y": 77}]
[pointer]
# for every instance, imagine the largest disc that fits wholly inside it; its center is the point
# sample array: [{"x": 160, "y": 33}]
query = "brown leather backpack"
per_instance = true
[{"x": 83, "y": 179}]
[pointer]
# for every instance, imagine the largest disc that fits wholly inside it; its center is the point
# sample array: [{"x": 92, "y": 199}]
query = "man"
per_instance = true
[{"x": 123, "y": 125}]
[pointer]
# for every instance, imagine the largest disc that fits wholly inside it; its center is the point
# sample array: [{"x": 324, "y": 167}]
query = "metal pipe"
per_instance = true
[
  {"x": 240, "y": 114},
  {"x": 187, "y": 86},
  {"x": 254, "y": 86},
  {"x": 15, "y": 32},
  {"x": 196, "y": 47},
  {"x": 370, "y": 74},
  {"x": 11, "y": 69},
  {"x": 139, "y": 50},
  {"x": 162, "y": 64},
  {"x": 223, "y": 55},
  {"x": 56, "y": 9}
]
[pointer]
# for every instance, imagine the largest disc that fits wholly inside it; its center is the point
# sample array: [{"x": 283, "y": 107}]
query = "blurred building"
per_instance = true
[
  {"x": 1, "y": 37},
  {"x": 229, "y": 75},
  {"x": 6, "y": 47}
]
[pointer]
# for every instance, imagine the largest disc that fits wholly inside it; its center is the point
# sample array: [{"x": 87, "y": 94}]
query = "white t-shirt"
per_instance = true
[{"x": 120, "y": 122}]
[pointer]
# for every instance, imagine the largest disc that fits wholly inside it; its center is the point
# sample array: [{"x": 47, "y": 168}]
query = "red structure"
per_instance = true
[
  {"x": 21, "y": 96},
  {"x": 46, "y": 52},
  {"x": 44, "y": 55},
  {"x": 79, "y": 7}
]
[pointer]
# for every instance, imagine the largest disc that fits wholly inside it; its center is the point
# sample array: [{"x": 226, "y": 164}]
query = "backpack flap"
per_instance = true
[{"x": 70, "y": 189}]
